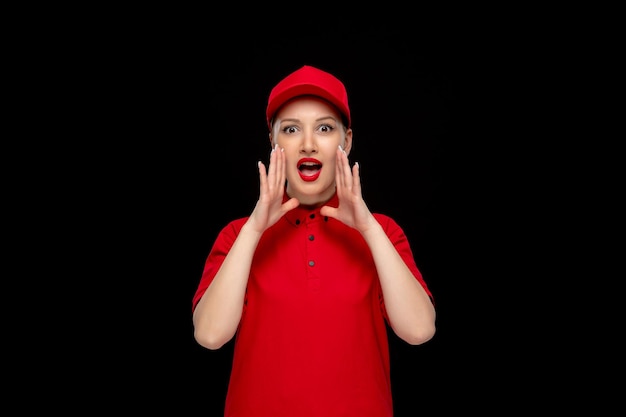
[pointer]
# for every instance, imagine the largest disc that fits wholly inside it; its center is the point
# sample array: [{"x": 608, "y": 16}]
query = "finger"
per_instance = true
[
  {"x": 328, "y": 211},
  {"x": 280, "y": 169},
  {"x": 272, "y": 172},
  {"x": 290, "y": 204},
  {"x": 344, "y": 165},
  {"x": 338, "y": 170},
  {"x": 262, "y": 175},
  {"x": 356, "y": 178}
]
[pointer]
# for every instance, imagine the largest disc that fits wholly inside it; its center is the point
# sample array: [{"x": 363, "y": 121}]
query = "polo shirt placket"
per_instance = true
[{"x": 312, "y": 226}]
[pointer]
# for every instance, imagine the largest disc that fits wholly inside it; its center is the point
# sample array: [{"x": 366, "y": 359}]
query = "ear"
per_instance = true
[
  {"x": 271, "y": 141},
  {"x": 347, "y": 142}
]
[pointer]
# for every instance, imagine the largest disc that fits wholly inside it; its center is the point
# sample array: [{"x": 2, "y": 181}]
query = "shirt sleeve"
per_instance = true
[
  {"x": 401, "y": 243},
  {"x": 214, "y": 260}
]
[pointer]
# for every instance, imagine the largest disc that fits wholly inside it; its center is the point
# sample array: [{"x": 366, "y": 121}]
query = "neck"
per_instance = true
[{"x": 311, "y": 201}]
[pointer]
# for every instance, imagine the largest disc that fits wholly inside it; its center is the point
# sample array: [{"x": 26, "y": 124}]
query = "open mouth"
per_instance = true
[{"x": 309, "y": 169}]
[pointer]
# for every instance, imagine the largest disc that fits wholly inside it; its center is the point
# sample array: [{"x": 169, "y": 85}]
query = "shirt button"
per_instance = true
[
  {"x": 312, "y": 216},
  {"x": 297, "y": 221},
  {"x": 311, "y": 263},
  {"x": 311, "y": 237}
]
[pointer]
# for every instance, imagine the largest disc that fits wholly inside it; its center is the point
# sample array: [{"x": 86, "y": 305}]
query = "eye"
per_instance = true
[
  {"x": 326, "y": 128},
  {"x": 290, "y": 129}
]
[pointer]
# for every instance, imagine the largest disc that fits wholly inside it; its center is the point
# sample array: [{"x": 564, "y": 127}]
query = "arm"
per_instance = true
[
  {"x": 217, "y": 314},
  {"x": 409, "y": 308}
]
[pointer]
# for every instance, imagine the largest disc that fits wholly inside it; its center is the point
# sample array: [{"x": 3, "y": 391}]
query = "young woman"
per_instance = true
[{"x": 309, "y": 281}]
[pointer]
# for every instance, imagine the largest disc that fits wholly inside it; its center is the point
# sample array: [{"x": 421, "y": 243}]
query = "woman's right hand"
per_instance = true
[{"x": 270, "y": 208}]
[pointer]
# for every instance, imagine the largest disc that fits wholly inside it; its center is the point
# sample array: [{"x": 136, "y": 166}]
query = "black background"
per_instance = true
[
  {"x": 405, "y": 97},
  {"x": 168, "y": 117}
]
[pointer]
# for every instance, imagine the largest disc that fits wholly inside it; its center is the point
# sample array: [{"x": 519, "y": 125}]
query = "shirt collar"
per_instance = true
[{"x": 302, "y": 214}]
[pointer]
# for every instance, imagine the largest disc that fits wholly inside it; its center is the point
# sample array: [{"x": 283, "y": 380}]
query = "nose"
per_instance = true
[{"x": 309, "y": 144}]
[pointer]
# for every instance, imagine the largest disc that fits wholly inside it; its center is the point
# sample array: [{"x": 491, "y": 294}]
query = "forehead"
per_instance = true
[{"x": 307, "y": 104}]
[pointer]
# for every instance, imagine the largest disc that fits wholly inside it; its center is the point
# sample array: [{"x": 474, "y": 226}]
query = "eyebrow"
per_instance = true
[{"x": 317, "y": 120}]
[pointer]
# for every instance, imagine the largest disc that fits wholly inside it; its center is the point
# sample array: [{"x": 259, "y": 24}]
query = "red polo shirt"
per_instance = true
[{"x": 312, "y": 339}]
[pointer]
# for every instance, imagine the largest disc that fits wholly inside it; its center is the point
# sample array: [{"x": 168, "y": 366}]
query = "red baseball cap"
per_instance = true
[{"x": 309, "y": 80}]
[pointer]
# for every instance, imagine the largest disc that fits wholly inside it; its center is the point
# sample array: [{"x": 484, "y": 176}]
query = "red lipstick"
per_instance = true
[{"x": 309, "y": 169}]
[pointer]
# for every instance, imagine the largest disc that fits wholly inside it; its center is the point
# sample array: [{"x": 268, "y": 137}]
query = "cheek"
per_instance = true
[
  {"x": 330, "y": 148},
  {"x": 292, "y": 154}
]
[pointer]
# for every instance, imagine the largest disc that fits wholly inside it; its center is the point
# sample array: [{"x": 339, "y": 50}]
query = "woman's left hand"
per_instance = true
[{"x": 352, "y": 209}]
